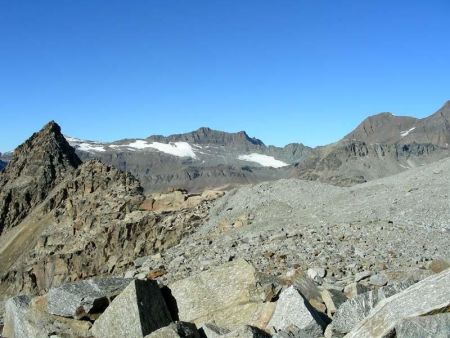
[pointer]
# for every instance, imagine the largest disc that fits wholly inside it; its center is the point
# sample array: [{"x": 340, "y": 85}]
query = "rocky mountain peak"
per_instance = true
[
  {"x": 37, "y": 166},
  {"x": 384, "y": 128}
]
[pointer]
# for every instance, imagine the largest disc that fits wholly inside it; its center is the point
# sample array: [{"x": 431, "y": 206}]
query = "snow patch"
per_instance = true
[
  {"x": 180, "y": 149},
  {"x": 264, "y": 160},
  {"x": 90, "y": 148},
  {"x": 406, "y": 132}
]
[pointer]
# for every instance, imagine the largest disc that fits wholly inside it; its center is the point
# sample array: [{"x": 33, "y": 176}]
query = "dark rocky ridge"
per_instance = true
[
  {"x": 36, "y": 167},
  {"x": 206, "y": 135}
]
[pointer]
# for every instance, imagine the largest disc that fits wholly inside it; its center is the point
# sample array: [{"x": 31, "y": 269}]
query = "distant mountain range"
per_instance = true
[{"x": 381, "y": 145}]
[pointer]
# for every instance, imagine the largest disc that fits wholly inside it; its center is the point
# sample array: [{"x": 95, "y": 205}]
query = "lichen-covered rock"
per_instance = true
[
  {"x": 430, "y": 294},
  {"x": 227, "y": 295},
  {"x": 176, "y": 330},
  {"x": 138, "y": 311},
  {"x": 294, "y": 310},
  {"x": 351, "y": 312},
  {"x": 436, "y": 326},
  {"x": 78, "y": 299}
]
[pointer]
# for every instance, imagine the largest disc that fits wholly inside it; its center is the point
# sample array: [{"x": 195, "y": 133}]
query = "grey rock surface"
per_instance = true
[
  {"x": 378, "y": 280},
  {"x": 435, "y": 326},
  {"x": 176, "y": 330},
  {"x": 227, "y": 295},
  {"x": 247, "y": 331},
  {"x": 292, "y": 309},
  {"x": 211, "y": 330},
  {"x": 78, "y": 299},
  {"x": 354, "y": 310},
  {"x": 27, "y": 318},
  {"x": 138, "y": 311},
  {"x": 15, "y": 321},
  {"x": 430, "y": 294}
]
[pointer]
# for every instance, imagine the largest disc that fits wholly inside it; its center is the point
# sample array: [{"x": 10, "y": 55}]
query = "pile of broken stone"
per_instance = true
[{"x": 235, "y": 301}]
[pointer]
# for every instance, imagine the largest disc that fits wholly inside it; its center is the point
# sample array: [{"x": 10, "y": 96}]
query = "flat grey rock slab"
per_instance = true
[
  {"x": 77, "y": 299},
  {"x": 430, "y": 294},
  {"x": 136, "y": 312},
  {"x": 436, "y": 326}
]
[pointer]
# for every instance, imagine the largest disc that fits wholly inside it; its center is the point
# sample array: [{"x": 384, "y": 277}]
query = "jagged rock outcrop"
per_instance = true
[
  {"x": 37, "y": 166},
  {"x": 96, "y": 228}
]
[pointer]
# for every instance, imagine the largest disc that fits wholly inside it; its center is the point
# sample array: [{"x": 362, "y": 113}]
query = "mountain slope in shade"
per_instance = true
[{"x": 36, "y": 167}]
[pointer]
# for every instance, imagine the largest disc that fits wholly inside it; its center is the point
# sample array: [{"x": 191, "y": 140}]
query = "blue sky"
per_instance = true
[{"x": 284, "y": 71}]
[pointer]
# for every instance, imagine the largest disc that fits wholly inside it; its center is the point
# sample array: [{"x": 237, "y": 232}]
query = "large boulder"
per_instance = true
[
  {"x": 293, "y": 311},
  {"x": 351, "y": 312},
  {"x": 176, "y": 330},
  {"x": 428, "y": 295},
  {"x": 138, "y": 311},
  {"x": 227, "y": 295},
  {"x": 437, "y": 326},
  {"x": 79, "y": 299}
]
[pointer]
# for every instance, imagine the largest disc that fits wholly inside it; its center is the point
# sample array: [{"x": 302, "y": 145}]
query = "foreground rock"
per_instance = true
[
  {"x": 79, "y": 299},
  {"x": 227, "y": 295},
  {"x": 351, "y": 312},
  {"x": 176, "y": 330},
  {"x": 138, "y": 311},
  {"x": 292, "y": 310},
  {"x": 247, "y": 332},
  {"x": 430, "y": 294},
  {"x": 437, "y": 326},
  {"x": 27, "y": 318}
]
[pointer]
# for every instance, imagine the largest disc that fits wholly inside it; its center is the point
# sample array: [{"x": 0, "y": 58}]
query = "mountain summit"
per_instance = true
[{"x": 36, "y": 167}]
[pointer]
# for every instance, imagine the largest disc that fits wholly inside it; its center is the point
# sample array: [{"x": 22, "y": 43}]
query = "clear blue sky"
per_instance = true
[{"x": 283, "y": 70}]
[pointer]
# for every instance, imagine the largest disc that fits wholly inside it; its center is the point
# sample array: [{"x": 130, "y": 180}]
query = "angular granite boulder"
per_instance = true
[{"x": 138, "y": 311}]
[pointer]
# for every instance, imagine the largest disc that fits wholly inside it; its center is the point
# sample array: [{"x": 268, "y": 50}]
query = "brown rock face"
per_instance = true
[{"x": 37, "y": 166}]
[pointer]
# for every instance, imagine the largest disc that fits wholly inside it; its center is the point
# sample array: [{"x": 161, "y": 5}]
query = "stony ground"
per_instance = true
[{"x": 399, "y": 222}]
